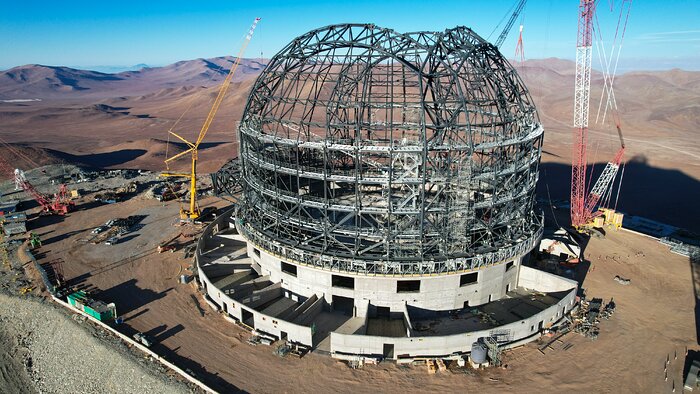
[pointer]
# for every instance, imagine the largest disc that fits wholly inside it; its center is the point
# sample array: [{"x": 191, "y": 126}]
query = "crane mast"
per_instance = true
[
  {"x": 582, "y": 95},
  {"x": 193, "y": 211}
]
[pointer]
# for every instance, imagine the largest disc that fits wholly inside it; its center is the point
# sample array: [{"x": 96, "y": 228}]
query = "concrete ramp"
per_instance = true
[
  {"x": 307, "y": 316},
  {"x": 294, "y": 313},
  {"x": 261, "y": 297}
]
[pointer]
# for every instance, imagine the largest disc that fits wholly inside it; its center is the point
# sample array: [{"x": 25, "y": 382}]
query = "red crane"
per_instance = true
[
  {"x": 58, "y": 204},
  {"x": 583, "y": 205}
]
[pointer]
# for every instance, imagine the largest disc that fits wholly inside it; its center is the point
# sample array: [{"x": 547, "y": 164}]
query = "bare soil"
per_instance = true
[{"x": 655, "y": 318}]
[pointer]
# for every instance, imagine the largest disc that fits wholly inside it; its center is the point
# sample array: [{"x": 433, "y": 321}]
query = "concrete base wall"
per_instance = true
[
  {"x": 234, "y": 309},
  {"x": 521, "y": 331},
  {"x": 531, "y": 278},
  {"x": 437, "y": 292},
  {"x": 271, "y": 325}
]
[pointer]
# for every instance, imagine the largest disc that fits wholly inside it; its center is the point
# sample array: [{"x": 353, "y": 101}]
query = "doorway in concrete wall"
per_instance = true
[
  {"x": 223, "y": 305},
  {"x": 344, "y": 305},
  {"x": 283, "y": 336},
  {"x": 388, "y": 351},
  {"x": 247, "y": 318}
]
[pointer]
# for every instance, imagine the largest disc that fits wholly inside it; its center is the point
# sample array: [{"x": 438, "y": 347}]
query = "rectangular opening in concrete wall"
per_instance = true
[
  {"x": 247, "y": 318},
  {"x": 289, "y": 268},
  {"x": 509, "y": 265},
  {"x": 408, "y": 286},
  {"x": 345, "y": 282},
  {"x": 256, "y": 251},
  {"x": 468, "y": 279},
  {"x": 388, "y": 350},
  {"x": 345, "y": 305}
]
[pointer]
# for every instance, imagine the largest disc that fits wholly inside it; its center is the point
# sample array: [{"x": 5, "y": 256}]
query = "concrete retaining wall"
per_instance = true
[
  {"x": 446, "y": 345},
  {"x": 531, "y": 278},
  {"x": 271, "y": 325}
]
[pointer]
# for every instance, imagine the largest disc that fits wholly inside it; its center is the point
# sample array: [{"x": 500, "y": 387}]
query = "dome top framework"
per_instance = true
[{"x": 365, "y": 145}]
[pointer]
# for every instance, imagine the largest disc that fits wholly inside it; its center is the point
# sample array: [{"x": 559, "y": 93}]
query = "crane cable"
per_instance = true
[
  {"x": 192, "y": 101},
  {"x": 609, "y": 78},
  {"x": 18, "y": 153},
  {"x": 506, "y": 16}
]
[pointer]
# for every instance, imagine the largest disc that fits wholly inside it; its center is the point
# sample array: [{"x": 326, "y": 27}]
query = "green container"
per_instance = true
[{"x": 97, "y": 309}]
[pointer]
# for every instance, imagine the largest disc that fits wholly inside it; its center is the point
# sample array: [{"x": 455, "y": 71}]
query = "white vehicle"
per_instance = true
[
  {"x": 99, "y": 229},
  {"x": 112, "y": 241}
]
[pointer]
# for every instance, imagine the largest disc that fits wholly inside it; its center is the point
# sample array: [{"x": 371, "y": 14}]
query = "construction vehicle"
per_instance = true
[
  {"x": 34, "y": 240},
  {"x": 193, "y": 212},
  {"x": 584, "y": 203},
  {"x": 58, "y": 204},
  {"x": 145, "y": 339},
  {"x": 25, "y": 290}
]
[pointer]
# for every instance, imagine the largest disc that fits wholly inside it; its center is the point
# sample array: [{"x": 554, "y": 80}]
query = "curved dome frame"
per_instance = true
[{"x": 363, "y": 144}]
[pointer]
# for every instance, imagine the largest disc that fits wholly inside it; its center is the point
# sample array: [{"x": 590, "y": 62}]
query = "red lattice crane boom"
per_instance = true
[
  {"x": 58, "y": 204},
  {"x": 584, "y": 203},
  {"x": 582, "y": 95}
]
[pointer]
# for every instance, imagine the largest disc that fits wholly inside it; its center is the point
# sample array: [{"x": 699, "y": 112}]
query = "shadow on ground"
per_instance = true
[
  {"x": 665, "y": 195},
  {"x": 128, "y": 296}
]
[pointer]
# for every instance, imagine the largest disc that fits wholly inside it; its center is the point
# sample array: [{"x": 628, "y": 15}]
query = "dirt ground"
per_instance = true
[{"x": 655, "y": 318}]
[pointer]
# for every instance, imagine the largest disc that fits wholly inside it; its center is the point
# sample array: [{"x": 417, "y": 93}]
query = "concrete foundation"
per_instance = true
[{"x": 289, "y": 300}]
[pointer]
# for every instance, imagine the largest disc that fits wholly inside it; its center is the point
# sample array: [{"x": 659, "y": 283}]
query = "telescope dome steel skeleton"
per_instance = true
[{"x": 371, "y": 151}]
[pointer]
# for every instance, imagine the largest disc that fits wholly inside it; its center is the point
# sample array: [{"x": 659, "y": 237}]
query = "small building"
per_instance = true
[
  {"x": 8, "y": 207},
  {"x": 14, "y": 228},
  {"x": 13, "y": 218}
]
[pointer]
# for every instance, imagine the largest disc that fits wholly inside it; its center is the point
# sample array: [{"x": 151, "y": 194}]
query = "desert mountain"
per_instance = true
[
  {"x": 53, "y": 82},
  {"x": 122, "y": 120}
]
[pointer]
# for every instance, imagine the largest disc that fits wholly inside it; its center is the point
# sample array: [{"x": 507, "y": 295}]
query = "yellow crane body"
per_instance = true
[{"x": 193, "y": 212}]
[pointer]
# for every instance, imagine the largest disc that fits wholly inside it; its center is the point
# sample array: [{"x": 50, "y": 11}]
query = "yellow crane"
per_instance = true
[{"x": 193, "y": 212}]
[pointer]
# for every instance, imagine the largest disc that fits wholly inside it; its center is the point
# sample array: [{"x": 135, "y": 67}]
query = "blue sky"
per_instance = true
[{"x": 661, "y": 34}]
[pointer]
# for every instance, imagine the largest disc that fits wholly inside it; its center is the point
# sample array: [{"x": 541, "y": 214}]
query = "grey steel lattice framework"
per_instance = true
[{"x": 370, "y": 151}]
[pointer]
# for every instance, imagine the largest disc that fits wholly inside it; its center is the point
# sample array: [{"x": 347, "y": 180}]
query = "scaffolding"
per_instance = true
[{"x": 388, "y": 152}]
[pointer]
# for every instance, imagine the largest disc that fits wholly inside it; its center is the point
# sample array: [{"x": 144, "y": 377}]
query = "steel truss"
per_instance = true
[{"x": 360, "y": 144}]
